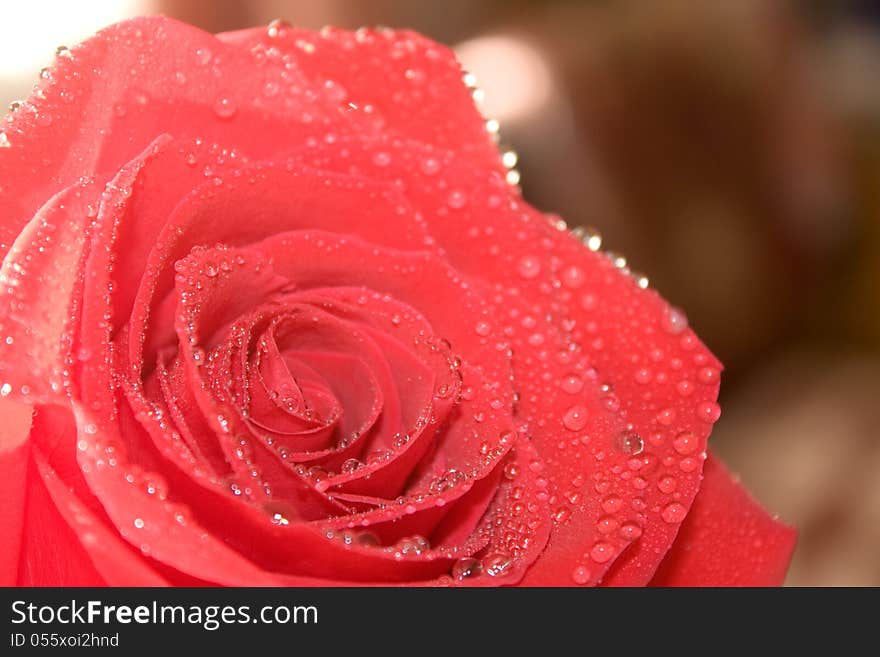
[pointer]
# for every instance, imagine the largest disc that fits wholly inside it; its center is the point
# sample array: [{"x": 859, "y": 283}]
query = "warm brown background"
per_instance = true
[{"x": 730, "y": 149}]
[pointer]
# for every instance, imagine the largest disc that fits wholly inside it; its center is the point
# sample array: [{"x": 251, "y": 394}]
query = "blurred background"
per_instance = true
[{"x": 730, "y": 148}]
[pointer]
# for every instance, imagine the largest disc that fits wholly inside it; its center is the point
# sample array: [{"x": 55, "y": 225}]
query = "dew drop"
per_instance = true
[
  {"x": 685, "y": 443},
  {"x": 467, "y": 568},
  {"x": 674, "y": 513},
  {"x": 580, "y": 575},
  {"x": 529, "y": 267},
  {"x": 203, "y": 56},
  {"x": 685, "y": 388},
  {"x": 456, "y": 200},
  {"x": 708, "y": 375},
  {"x": 709, "y": 412},
  {"x": 630, "y": 531},
  {"x": 573, "y": 277},
  {"x": 413, "y": 545},
  {"x": 612, "y": 504},
  {"x": 497, "y": 565},
  {"x": 575, "y": 418},
  {"x": 511, "y": 470},
  {"x": 277, "y": 28},
  {"x": 430, "y": 166},
  {"x": 667, "y": 484},
  {"x": 483, "y": 328},
  {"x": 601, "y": 552},
  {"x": 572, "y": 384},
  {"x": 666, "y": 417},
  {"x": 224, "y": 108},
  {"x": 350, "y": 466},
  {"x": 674, "y": 321},
  {"x": 629, "y": 442},
  {"x": 688, "y": 464}
]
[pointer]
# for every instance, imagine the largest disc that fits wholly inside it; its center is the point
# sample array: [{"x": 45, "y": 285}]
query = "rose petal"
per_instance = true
[
  {"x": 40, "y": 310},
  {"x": 51, "y": 553},
  {"x": 727, "y": 540},
  {"x": 141, "y": 78},
  {"x": 14, "y": 455},
  {"x": 404, "y": 83}
]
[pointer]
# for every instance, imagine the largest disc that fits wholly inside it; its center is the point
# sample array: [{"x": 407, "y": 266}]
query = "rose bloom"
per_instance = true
[{"x": 271, "y": 314}]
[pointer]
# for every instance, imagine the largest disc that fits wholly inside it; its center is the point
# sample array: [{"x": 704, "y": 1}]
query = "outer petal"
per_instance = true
[
  {"x": 727, "y": 539},
  {"x": 37, "y": 547},
  {"x": 15, "y": 422},
  {"x": 409, "y": 85}
]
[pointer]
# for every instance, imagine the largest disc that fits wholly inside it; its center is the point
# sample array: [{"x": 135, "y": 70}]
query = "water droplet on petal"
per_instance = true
[
  {"x": 456, "y": 199},
  {"x": 630, "y": 530},
  {"x": 612, "y": 504},
  {"x": 430, "y": 166},
  {"x": 709, "y": 412},
  {"x": 203, "y": 56},
  {"x": 685, "y": 443},
  {"x": 572, "y": 384},
  {"x": 708, "y": 375},
  {"x": 580, "y": 575},
  {"x": 350, "y": 466},
  {"x": 573, "y": 277},
  {"x": 674, "y": 513},
  {"x": 667, "y": 484},
  {"x": 277, "y": 28},
  {"x": 497, "y": 565},
  {"x": 674, "y": 321},
  {"x": 575, "y": 418},
  {"x": 629, "y": 442},
  {"x": 529, "y": 267},
  {"x": 413, "y": 545},
  {"x": 601, "y": 552},
  {"x": 466, "y": 568},
  {"x": 224, "y": 108}
]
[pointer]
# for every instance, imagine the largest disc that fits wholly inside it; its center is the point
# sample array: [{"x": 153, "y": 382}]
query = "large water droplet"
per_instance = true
[
  {"x": 629, "y": 442},
  {"x": 674, "y": 321},
  {"x": 575, "y": 418},
  {"x": 466, "y": 568},
  {"x": 612, "y": 504},
  {"x": 685, "y": 443},
  {"x": 709, "y": 412},
  {"x": 572, "y": 384},
  {"x": 413, "y": 545},
  {"x": 497, "y": 565},
  {"x": 674, "y": 513},
  {"x": 667, "y": 484}
]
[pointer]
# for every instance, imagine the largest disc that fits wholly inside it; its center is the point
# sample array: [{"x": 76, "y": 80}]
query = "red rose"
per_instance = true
[{"x": 281, "y": 320}]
